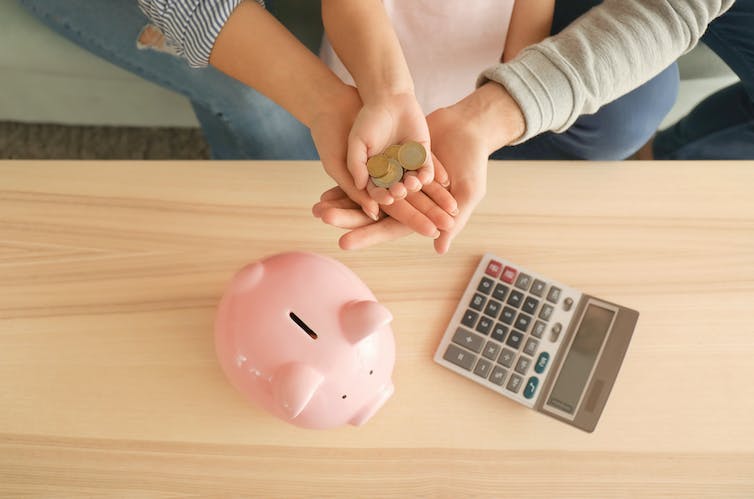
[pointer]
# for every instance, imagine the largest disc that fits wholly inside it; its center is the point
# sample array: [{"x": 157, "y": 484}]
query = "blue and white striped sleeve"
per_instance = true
[{"x": 190, "y": 27}]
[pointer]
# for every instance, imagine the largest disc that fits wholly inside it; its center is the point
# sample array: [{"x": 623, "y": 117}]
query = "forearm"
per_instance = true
[
  {"x": 362, "y": 36},
  {"x": 607, "y": 52},
  {"x": 531, "y": 22},
  {"x": 256, "y": 49}
]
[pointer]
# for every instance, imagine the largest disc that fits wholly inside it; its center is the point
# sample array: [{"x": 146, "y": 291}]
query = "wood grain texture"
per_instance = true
[{"x": 110, "y": 272}]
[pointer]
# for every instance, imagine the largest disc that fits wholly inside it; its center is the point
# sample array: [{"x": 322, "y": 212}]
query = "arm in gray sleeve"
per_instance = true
[
  {"x": 190, "y": 26},
  {"x": 612, "y": 49}
]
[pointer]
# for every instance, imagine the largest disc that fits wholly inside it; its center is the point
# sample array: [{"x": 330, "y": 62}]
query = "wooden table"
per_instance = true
[{"x": 110, "y": 273}]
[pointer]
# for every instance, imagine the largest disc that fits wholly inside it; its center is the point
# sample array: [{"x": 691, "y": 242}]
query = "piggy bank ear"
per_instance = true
[
  {"x": 249, "y": 276},
  {"x": 293, "y": 386},
  {"x": 361, "y": 318}
]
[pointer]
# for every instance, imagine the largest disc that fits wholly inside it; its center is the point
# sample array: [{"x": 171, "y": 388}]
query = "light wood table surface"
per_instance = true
[{"x": 110, "y": 273}]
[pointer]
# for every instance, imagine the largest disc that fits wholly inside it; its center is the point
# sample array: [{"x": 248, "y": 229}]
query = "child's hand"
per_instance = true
[{"x": 382, "y": 122}]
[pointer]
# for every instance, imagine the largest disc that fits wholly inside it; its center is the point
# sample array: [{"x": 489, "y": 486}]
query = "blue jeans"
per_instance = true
[
  {"x": 722, "y": 125},
  {"x": 240, "y": 123}
]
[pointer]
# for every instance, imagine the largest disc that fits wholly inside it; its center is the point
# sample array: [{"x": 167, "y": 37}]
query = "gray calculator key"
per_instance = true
[
  {"x": 485, "y": 285},
  {"x": 469, "y": 318},
  {"x": 553, "y": 295},
  {"x": 491, "y": 350},
  {"x": 545, "y": 312},
  {"x": 555, "y": 331},
  {"x": 501, "y": 290},
  {"x": 538, "y": 288},
  {"x": 477, "y": 303},
  {"x": 508, "y": 315},
  {"x": 523, "y": 364},
  {"x": 506, "y": 357},
  {"x": 523, "y": 281},
  {"x": 468, "y": 340},
  {"x": 459, "y": 357},
  {"x": 539, "y": 329},
  {"x": 531, "y": 346},
  {"x": 499, "y": 332},
  {"x": 514, "y": 339},
  {"x": 485, "y": 324},
  {"x": 498, "y": 375},
  {"x": 493, "y": 308},
  {"x": 522, "y": 322},
  {"x": 514, "y": 383},
  {"x": 530, "y": 305},
  {"x": 483, "y": 367},
  {"x": 515, "y": 298}
]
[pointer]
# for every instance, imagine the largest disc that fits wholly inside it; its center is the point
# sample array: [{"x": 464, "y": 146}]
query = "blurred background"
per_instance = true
[{"x": 58, "y": 101}]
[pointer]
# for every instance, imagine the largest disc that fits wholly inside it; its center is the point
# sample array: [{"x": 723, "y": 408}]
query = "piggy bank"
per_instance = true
[{"x": 302, "y": 336}]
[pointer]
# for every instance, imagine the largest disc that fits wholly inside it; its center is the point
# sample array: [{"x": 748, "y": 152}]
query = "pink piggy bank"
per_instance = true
[{"x": 302, "y": 336}]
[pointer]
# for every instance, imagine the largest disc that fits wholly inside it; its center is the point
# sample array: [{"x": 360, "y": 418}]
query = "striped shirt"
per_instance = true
[{"x": 190, "y": 26}]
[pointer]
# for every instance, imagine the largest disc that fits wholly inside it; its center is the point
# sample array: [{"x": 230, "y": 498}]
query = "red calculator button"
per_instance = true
[
  {"x": 509, "y": 275},
  {"x": 494, "y": 268}
]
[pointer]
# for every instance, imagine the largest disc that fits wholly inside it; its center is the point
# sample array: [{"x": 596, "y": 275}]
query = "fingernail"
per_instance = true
[
  {"x": 436, "y": 234},
  {"x": 454, "y": 212},
  {"x": 370, "y": 215},
  {"x": 446, "y": 183}
]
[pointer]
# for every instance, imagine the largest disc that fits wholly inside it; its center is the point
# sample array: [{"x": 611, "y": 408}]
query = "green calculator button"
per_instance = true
[
  {"x": 542, "y": 361},
  {"x": 531, "y": 387}
]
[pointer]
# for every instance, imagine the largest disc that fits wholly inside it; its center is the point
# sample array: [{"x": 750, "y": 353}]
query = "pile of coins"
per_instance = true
[{"x": 387, "y": 167}]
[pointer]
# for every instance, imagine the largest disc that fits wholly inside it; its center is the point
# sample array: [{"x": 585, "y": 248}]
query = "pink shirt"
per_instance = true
[{"x": 447, "y": 45}]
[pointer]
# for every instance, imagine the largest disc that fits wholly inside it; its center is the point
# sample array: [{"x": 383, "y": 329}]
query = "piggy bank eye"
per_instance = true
[
  {"x": 344, "y": 396},
  {"x": 370, "y": 372}
]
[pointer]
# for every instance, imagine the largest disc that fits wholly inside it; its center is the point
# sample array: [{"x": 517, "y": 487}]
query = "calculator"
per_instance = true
[{"x": 545, "y": 345}]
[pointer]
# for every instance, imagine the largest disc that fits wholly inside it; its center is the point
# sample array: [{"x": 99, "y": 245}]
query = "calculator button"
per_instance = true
[
  {"x": 538, "y": 329},
  {"x": 500, "y": 291},
  {"x": 553, "y": 295},
  {"x": 498, "y": 375},
  {"x": 494, "y": 268},
  {"x": 509, "y": 274},
  {"x": 485, "y": 285},
  {"x": 491, "y": 350},
  {"x": 545, "y": 312},
  {"x": 469, "y": 318},
  {"x": 555, "y": 332},
  {"x": 522, "y": 322},
  {"x": 459, "y": 357},
  {"x": 508, "y": 315},
  {"x": 522, "y": 365},
  {"x": 485, "y": 324},
  {"x": 515, "y": 298},
  {"x": 538, "y": 288},
  {"x": 523, "y": 281},
  {"x": 468, "y": 339},
  {"x": 482, "y": 368},
  {"x": 514, "y": 339},
  {"x": 499, "y": 332},
  {"x": 531, "y": 387},
  {"x": 531, "y": 346},
  {"x": 477, "y": 303},
  {"x": 567, "y": 304},
  {"x": 514, "y": 383},
  {"x": 493, "y": 308},
  {"x": 506, "y": 357},
  {"x": 530, "y": 305},
  {"x": 542, "y": 361}
]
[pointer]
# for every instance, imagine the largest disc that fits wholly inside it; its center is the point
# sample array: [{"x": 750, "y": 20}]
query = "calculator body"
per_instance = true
[{"x": 545, "y": 345}]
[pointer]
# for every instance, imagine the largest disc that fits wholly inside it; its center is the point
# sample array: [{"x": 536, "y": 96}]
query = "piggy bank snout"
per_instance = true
[{"x": 374, "y": 405}]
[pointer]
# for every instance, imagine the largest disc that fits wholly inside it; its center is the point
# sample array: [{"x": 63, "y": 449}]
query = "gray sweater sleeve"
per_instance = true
[{"x": 612, "y": 49}]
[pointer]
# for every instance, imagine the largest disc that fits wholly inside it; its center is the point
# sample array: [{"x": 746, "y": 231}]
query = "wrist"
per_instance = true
[{"x": 493, "y": 114}]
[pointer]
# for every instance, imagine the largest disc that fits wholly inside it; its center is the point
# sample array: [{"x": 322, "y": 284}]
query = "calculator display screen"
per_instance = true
[{"x": 580, "y": 359}]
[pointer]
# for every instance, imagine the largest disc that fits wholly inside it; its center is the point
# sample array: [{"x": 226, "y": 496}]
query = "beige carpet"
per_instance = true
[{"x": 24, "y": 141}]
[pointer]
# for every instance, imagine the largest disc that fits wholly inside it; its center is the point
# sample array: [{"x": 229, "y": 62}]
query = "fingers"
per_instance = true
[
  {"x": 426, "y": 173},
  {"x": 441, "y": 174},
  {"x": 411, "y": 217},
  {"x": 356, "y": 162},
  {"x": 374, "y": 233},
  {"x": 333, "y": 193},
  {"x": 379, "y": 194},
  {"x": 467, "y": 201},
  {"x": 425, "y": 205},
  {"x": 441, "y": 197},
  {"x": 412, "y": 182}
]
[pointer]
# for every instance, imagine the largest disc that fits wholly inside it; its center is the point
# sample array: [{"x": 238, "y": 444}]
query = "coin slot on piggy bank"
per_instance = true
[{"x": 314, "y": 360}]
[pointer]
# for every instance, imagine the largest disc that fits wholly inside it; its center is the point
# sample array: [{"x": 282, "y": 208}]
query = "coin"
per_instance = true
[
  {"x": 412, "y": 155},
  {"x": 378, "y": 165},
  {"x": 393, "y": 175},
  {"x": 392, "y": 151}
]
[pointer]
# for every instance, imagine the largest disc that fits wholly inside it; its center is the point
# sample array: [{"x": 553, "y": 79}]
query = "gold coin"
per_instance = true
[
  {"x": 393, "y": 175},
  {"x": 412, "y": 155},
  {"x": 392, "y": 151},
  {"x": 378, "y": 165}
]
